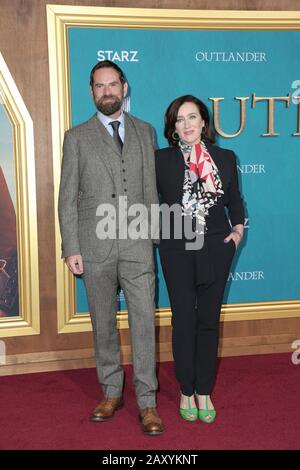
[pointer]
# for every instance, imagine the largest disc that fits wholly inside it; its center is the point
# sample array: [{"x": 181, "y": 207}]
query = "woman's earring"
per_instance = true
[{"x": 175, "y": 136}]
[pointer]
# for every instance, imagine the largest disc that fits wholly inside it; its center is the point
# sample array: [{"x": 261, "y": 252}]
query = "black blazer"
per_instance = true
[{"x": 169, "y": 177}]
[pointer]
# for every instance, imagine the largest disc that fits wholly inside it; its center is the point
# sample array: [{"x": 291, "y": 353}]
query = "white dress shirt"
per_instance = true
[{"x": 106, "y": 120}]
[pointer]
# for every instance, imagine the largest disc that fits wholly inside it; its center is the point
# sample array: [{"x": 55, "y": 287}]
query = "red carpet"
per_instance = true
[{"x": 257, "y": 398}]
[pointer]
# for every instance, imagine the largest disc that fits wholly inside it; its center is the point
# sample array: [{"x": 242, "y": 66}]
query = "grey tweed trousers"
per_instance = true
[{"x": 130, "y": 264}]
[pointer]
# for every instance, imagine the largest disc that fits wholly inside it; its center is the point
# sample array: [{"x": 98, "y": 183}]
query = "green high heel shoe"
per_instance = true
[
  {"x": 206, "y": 415},
  {"x": 190, "y": 413}
]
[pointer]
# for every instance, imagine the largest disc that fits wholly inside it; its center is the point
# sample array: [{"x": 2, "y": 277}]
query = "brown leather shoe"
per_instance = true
[
  {"x": 151, "y": 422},
  {"x": 106, "y": 409}
]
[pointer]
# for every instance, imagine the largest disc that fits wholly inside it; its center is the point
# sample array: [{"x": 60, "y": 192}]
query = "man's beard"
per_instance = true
[{"x": 111, "y": 107}]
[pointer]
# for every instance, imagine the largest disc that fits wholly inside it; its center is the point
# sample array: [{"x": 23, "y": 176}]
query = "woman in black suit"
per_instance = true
[{"x": 201, "y": 180}]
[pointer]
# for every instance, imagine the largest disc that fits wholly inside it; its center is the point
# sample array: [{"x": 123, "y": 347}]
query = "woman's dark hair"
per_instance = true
[
  {"x": 171, "y": 117},
  {"x": 107, "y": 64}
]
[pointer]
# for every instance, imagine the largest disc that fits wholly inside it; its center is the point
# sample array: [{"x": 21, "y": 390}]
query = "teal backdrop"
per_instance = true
[{"x": 163, "y": 64}]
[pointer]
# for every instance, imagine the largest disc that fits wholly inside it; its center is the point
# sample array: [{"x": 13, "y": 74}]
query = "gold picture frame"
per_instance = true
[
  {"x": 28, "y": 321},
  {"x": 59, "y": 19}
]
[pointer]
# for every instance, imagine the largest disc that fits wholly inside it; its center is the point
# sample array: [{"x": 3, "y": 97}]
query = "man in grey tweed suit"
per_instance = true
[{"x": 105, "y": 159}]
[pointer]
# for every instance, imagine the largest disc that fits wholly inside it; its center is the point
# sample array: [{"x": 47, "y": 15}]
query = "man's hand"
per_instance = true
[{"x": 75, "y": 264}]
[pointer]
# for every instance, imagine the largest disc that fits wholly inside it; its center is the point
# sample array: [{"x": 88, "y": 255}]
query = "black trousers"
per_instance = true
[{"x": 196, "y": 309}]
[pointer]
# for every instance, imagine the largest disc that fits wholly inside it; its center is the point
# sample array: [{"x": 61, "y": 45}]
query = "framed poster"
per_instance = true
[
  {"x": 239, "y": 63},
  {"x": 19, "y": 283}
]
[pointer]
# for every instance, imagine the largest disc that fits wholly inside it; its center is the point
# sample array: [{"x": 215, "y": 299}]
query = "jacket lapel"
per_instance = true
[
  {"x": 213, "y": 151},
  {"x": 179, "y": 169},
  {"x": 99, "y": 138},
  {"x": 128, "y": 134},
  {"x": 129, "y": 122}
]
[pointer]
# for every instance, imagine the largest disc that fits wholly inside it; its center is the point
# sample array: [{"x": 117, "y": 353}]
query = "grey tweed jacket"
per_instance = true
[{"x": 88, "y": 179}]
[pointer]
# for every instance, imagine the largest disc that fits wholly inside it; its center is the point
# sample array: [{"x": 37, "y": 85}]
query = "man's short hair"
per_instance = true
[{"x": 107, "y": 64}]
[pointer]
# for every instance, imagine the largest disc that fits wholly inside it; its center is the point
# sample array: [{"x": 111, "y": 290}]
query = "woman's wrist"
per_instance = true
[{"x": 238, "y": 232}]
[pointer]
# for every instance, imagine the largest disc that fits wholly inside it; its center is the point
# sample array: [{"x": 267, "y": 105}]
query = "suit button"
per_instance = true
[
  {"x": 123, "y": 161},
  {"x": 125, "y": 190},
  {"x": 113, "y": 195},
  {"x": 124, "y": 180},
  {"x": 123, "y": 170}
]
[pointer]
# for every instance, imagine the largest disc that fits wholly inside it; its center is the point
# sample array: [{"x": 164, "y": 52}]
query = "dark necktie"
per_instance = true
[{"x": 115, "y": 125}]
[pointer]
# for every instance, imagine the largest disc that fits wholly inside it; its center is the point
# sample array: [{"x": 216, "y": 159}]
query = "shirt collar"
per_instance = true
[{"x": 106, "y": 120}]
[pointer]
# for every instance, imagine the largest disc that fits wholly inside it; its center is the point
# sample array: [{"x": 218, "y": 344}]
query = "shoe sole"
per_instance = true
[{"x": 153, "y": 433}]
